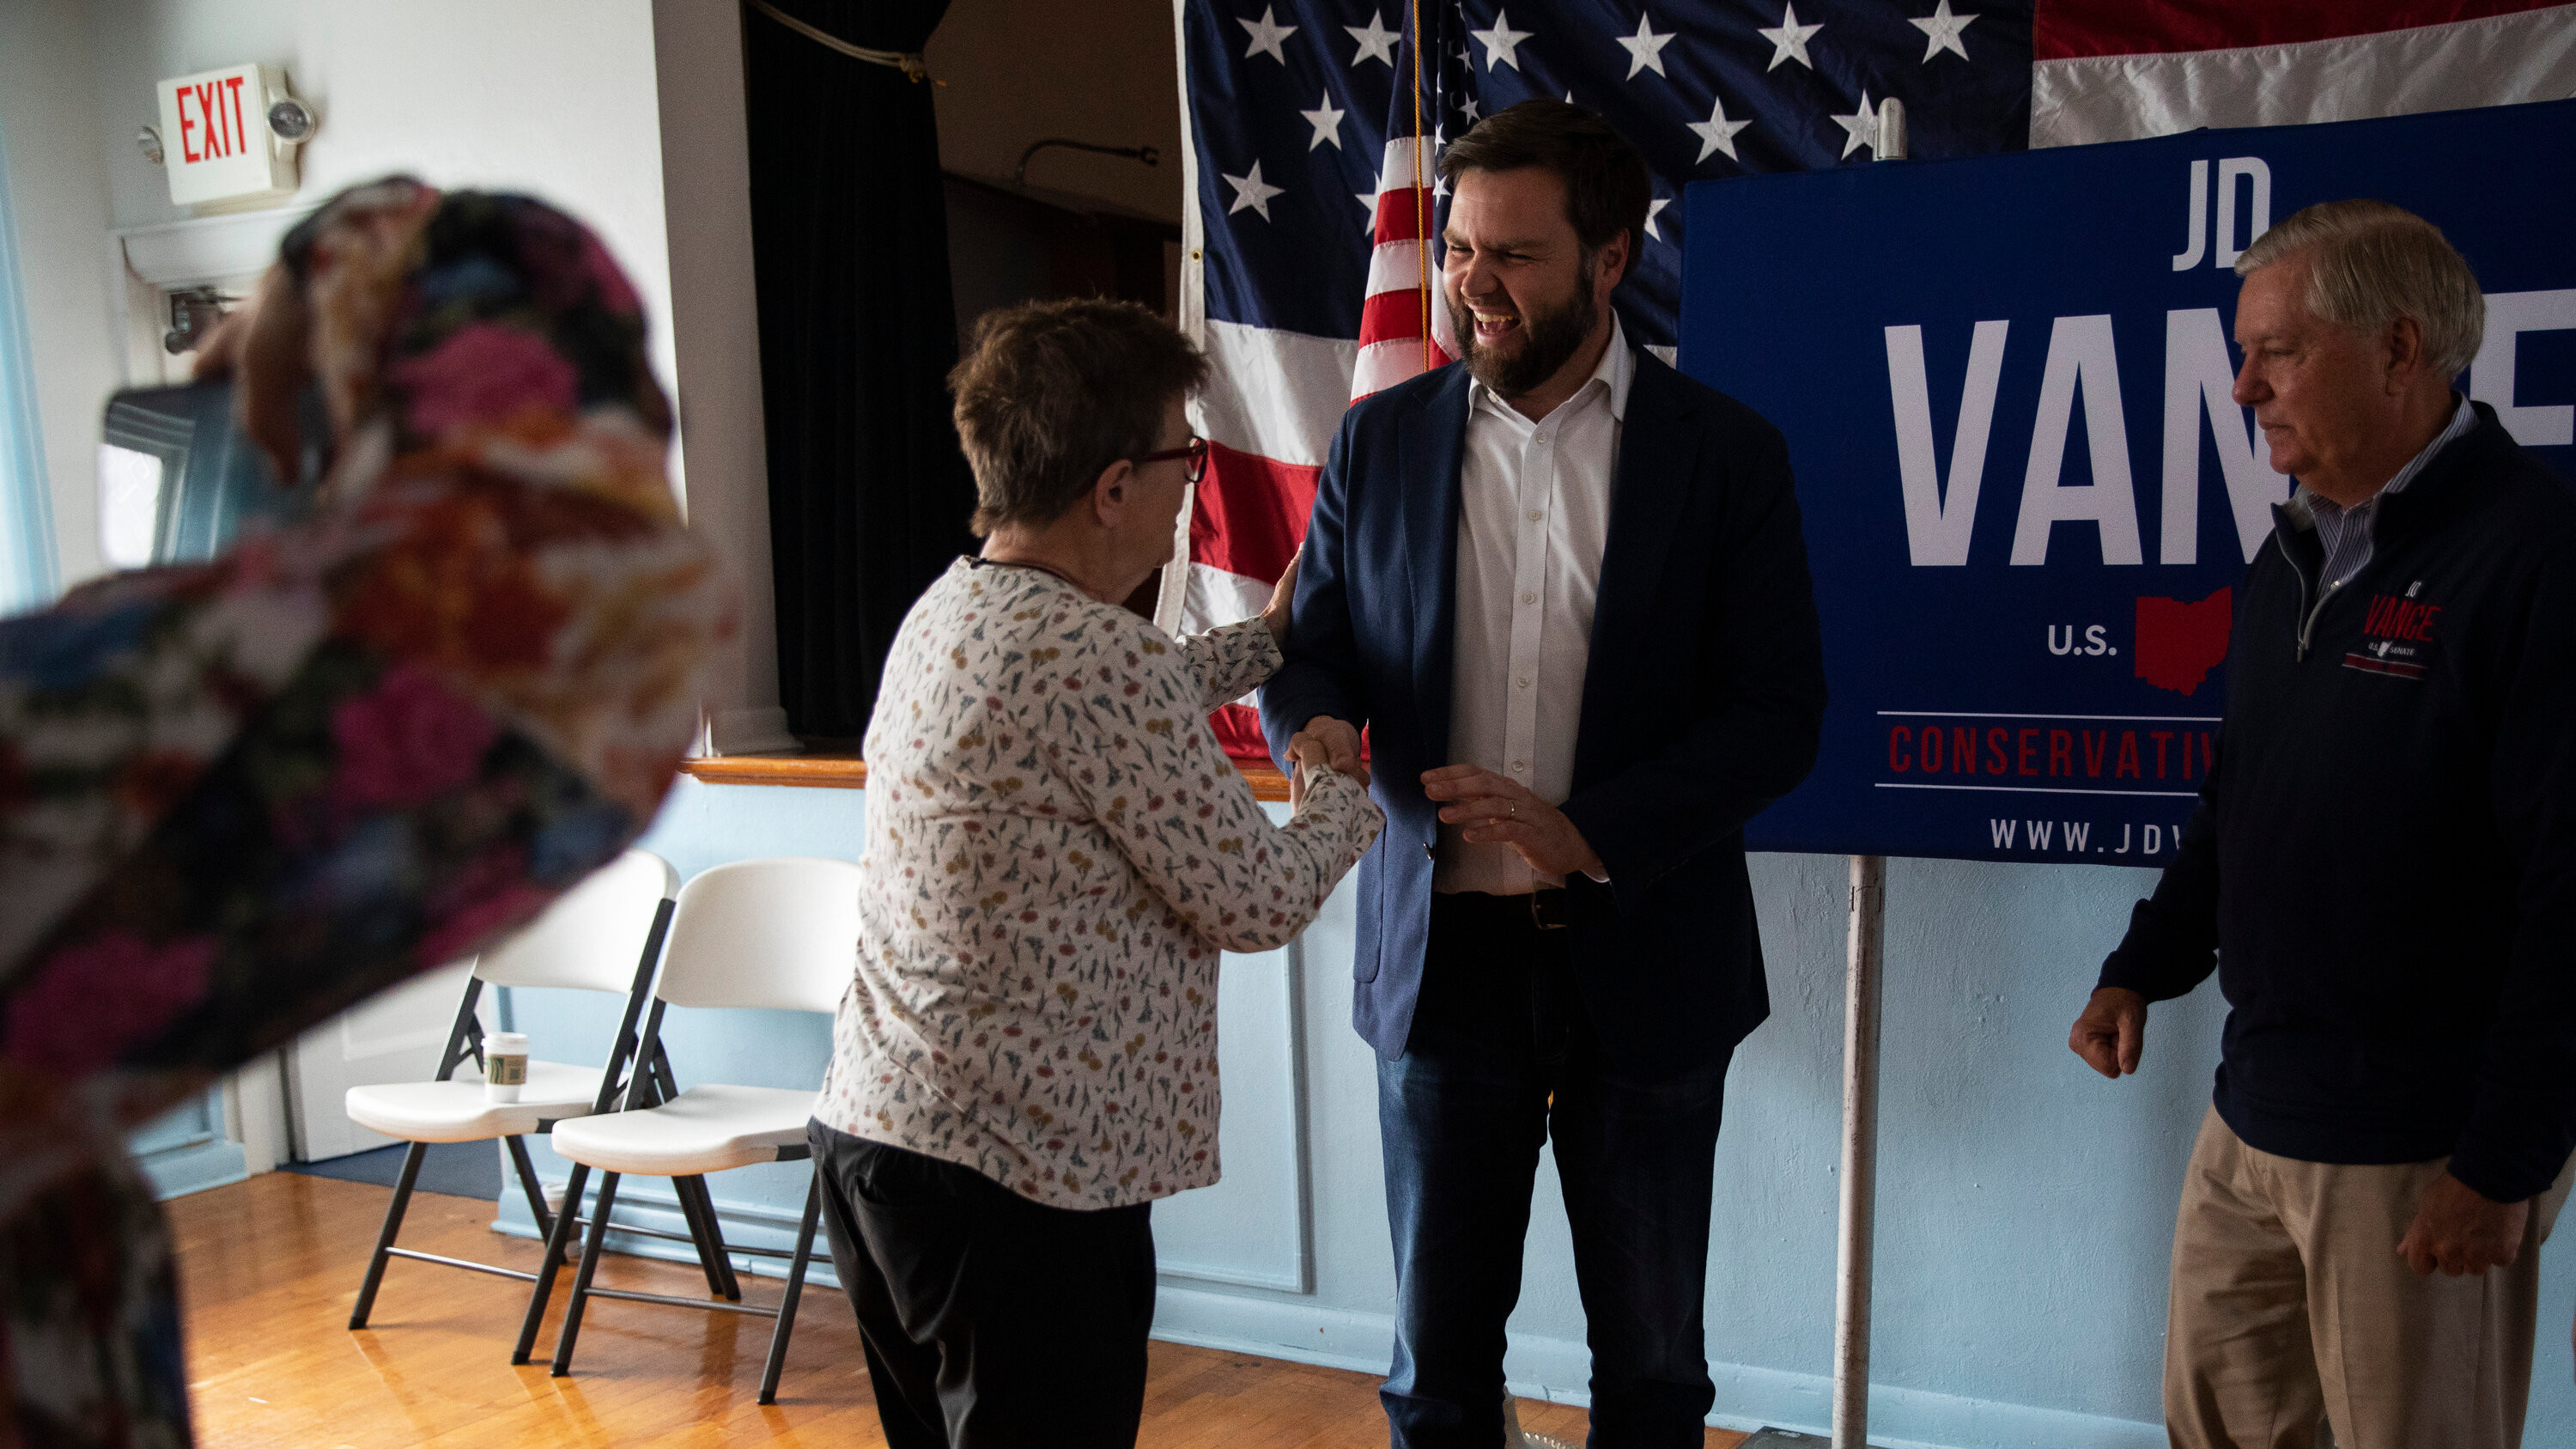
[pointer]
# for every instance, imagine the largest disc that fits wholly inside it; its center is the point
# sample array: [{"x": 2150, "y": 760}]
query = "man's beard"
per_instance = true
[{"x": 1548, "y": 339}]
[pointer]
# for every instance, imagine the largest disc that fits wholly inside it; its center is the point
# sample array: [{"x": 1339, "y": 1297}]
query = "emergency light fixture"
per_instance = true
[{"x": 229, "y": 137}]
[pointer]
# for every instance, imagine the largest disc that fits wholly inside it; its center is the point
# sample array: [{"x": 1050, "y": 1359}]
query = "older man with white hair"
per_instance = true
[{"x": 2383, "y": 861}]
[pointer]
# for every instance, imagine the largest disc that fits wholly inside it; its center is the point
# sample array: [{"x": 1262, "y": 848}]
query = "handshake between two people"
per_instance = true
[
  {"x": 1324, "y": 744},
  {"x": 1488, "y": 808}
]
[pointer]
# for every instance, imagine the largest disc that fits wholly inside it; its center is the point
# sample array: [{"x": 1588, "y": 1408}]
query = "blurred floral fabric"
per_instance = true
[{"x": 237, "y": 797}]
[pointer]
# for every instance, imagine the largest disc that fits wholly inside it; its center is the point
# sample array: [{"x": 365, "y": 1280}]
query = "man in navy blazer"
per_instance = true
[{"x": 1563, "y": 588}]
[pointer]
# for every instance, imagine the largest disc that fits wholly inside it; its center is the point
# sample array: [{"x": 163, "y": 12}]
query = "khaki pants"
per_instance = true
[{"x": 2291, "y": 1305}]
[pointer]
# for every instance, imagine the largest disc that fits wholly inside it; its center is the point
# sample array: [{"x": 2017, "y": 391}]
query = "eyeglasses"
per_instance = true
[{"x": 1196, "y": 452}]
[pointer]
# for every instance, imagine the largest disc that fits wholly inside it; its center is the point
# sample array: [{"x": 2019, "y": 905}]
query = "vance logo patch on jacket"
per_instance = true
[{"x": 2397, "y": 635}]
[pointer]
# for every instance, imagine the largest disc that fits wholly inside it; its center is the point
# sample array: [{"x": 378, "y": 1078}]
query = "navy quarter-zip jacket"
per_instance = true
[{"x": 2383, "y": 859}]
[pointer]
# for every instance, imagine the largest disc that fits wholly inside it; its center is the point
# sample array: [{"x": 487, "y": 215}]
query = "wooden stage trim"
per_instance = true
[
  {"x": 833, "y": 772},
  {"x": 269, "y": 1268},
  {"x": 849, "y": 772}
]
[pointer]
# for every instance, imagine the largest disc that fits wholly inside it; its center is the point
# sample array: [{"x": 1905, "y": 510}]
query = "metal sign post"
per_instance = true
[
  {"x": 1856, "y": 1230},
  {"x": 1856, "y": 1234}
]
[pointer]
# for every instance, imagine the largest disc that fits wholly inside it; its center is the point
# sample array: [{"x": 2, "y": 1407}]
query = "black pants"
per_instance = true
[
  {"x": 991, "y": 1322},
  {"x": 1502, "y": 1058}
]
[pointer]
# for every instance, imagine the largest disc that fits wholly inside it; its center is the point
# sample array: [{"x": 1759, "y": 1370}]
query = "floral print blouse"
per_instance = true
[
  {"x": 1057, "y": 852},
  {"x": 237, "y": 797}
]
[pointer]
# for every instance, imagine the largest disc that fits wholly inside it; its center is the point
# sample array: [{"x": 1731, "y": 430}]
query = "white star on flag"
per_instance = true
[
  {"x": 1646, "y": 48},
  {"x": 1376, "y": 42},
  {"x": 1653, "y": 208},
  {"x": 1789, "y": 39},
  {"x": 1860, "y": 128},
  {"x": 1717, "y": 133},
  {"x": 1251, "y": 191},
  {"x": 1467, "y": 107},
  {"x": 1368, "y": 211},
  {"x": 1267, "y": 35},
  {"x": 1326, "y": 121},
  {"x": 1502, "y": 42},
  {"x": 1943, "y": 28}
]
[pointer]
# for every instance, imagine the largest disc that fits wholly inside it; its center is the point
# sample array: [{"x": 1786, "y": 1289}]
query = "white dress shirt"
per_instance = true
[{"x": 1533, "y": 515}]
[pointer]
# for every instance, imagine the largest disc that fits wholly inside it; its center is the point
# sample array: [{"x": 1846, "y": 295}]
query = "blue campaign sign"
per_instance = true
[{"x": 2027, "y": 492}]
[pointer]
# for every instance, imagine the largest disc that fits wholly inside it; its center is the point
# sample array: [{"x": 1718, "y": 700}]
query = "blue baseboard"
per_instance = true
[
  {"x": 179, "y": 1171},
  {"x": 184, "y": 1149},
  {"x": 650, "y": 1204},
  {"x": 1555, "y": 1369},
  {"x": 1748, "y": 1397}
]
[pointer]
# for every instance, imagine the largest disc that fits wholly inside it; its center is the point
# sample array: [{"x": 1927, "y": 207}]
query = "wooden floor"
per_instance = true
[{"x": 270, "y": 1267}]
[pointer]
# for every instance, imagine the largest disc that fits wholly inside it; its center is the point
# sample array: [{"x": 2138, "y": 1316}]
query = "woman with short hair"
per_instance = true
[{"x": 1057, "y": 853}]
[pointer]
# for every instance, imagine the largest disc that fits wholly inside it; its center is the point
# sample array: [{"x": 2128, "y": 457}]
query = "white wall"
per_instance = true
[
  {"x": 625, "y": 114},
  {"x": 557, "y": 99},
  {"x": 58, "y": 188},
  {"x": 566, "y": 99},
  {"x": 706, "y": 179}
]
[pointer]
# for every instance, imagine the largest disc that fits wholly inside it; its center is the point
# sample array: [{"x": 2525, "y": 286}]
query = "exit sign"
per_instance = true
[{"x": 215, "y": 141}]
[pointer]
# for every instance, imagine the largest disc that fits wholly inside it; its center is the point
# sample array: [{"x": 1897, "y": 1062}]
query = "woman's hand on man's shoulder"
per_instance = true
[{"x": 1283, "y": 597}]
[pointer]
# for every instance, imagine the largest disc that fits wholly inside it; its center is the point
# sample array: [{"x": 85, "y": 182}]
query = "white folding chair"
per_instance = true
[
  {"x": 780, "y": 933},
  {"x": 604, "y": 935}
]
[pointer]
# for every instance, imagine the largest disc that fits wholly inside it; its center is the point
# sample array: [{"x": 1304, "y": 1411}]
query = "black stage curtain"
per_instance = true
[{"x": 868, "y": 494}]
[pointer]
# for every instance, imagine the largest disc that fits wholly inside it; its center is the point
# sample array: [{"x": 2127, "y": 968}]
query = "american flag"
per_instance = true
[{"x": 1310, "y": 250}]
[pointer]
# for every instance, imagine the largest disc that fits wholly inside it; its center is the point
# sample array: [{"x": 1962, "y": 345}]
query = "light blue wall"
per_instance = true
[
  {"x": 2025, "y": 1204},
  {"x": 26, "y": 502}
]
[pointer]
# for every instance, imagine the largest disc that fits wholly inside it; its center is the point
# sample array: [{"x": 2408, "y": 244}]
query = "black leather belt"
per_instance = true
[{"x": 1543, "y": 910}]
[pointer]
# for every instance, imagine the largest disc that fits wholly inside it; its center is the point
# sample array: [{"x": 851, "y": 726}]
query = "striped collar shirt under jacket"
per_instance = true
[{"x": 2347, "y": 533}]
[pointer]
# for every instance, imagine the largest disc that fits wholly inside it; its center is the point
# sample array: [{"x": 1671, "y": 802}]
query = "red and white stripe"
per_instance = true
[
  {"x": 2116, "y": 70},
  {"x": 1403, "y": 283},
  {"x": 1268, "y": 412}
]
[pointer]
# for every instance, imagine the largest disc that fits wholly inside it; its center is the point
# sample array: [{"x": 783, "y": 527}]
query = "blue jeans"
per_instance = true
[{"x": 1501, "y": 1057}]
